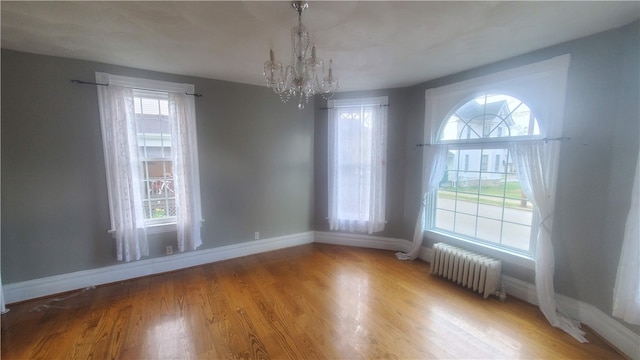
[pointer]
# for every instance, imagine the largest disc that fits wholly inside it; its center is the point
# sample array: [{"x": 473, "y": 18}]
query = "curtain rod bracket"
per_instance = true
[{"x": 80, "y": 82}]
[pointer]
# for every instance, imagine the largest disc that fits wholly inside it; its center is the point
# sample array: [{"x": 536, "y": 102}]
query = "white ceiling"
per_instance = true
[{"x": 374, "y": 44}]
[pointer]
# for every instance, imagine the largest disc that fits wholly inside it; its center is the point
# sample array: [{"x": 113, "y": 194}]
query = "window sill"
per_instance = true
[
  {"x": 160, "y": 228},
  {"x": 522, "y": 260}
]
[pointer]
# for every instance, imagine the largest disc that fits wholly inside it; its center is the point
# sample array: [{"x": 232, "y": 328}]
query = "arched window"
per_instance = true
[
  {"x": 490, "y": 116},
  {"x": 480, "y": 198}
]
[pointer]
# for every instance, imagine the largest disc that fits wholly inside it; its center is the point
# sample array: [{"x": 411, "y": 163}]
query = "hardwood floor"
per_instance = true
[{"x": 309, "y": 302}]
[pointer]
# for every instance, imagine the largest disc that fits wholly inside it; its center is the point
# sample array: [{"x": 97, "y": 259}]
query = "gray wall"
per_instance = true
[
  {"x": 398, "y": 101},
  {"x": 256, "y": 166},
  {"x": 602, "y": 117},
  {"x": 258, "y": 157}
]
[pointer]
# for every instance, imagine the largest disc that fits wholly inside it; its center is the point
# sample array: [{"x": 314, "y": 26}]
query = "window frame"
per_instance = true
[
  {"x": 153, "y": 226},
  {"x": 540, "y": 85},
  {"x": 145, "y": 160},
  {"x": 340, "y": 222},
  {"x": 481, "y": 145}
]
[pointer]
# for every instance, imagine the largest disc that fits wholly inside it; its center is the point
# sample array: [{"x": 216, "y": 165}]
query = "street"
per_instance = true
[{"x": 514, "y": 228}]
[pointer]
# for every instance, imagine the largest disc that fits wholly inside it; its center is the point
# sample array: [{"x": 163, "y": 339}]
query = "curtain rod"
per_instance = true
[
  {"x": 80, "y": 82},
  {"x": 346, "y": 106},
  {"x": 562, "y": 138}
]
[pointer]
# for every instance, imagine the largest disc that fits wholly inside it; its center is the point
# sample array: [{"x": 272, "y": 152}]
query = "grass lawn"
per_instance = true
[{"x": 491, "y": 195}]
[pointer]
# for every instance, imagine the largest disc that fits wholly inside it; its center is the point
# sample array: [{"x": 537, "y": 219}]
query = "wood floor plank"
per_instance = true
[{"x": 314, "y": 301}]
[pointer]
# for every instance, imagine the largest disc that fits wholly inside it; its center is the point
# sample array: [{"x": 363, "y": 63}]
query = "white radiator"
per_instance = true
[{"x": 471, "y": 270}]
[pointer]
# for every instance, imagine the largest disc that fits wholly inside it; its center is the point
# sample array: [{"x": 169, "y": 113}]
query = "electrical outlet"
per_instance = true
[
  {"x": 169, "y": 250},
  {"x": 256, "y": 236}
]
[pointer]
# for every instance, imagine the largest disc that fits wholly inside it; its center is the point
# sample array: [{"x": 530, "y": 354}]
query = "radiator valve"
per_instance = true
[{"x": 502, "y": 293}]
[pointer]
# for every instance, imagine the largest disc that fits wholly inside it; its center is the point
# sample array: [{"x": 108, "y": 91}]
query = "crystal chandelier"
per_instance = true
[{"x": 305, "y": 76}]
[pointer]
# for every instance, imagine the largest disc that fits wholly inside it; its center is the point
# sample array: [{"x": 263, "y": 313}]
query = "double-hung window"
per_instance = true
[
  {"x": 153, "y": 128},
  {"x": 498, "y": 137},
  {"x": 514, "y": 117},
  {"x": 476, "y": 199},
  {"x": 357, "y": 164},
  {"x": 150, "y": 148}
]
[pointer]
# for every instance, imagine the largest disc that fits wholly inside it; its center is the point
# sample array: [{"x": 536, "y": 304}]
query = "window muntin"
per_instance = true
[
  {"x": 480, "y": 198},
  {"x": 153, "y": 127},
  {"x": 357, "y": 164},
  {"x": 354, "y": 163},
  {"x": 490, "y": 116}
]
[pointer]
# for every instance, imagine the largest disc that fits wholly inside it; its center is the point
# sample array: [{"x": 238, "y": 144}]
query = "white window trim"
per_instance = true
[
  {"x": 143, "y": 84},
  {"x": 541, "y": 85},
  {"x": 152, "y": 227},
  {"x": 521, "y": 82},
  {"x": 380, "y": 100},
  {"x": 360, "y": 102}
]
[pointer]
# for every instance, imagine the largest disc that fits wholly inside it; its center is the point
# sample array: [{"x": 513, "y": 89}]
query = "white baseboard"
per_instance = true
[
  {"x": 31, "y": 289},
  {"x": 606, "y": 326},
  {"x": 362, "y": 240},
  {"x": 426, "y": 254}
]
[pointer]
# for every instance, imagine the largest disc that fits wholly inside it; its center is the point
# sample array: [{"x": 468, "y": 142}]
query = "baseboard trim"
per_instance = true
[
  {"x": 362, "y": 240},
  {"x": 606, "y": 326},
  {"x": 50, "y": 285},
  {"x": 520, "y": 289},
  {"x": 426, "y": 254}
]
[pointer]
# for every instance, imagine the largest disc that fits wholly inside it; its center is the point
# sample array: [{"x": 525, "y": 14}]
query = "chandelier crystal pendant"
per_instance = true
[{"x": 305, "y": 76}]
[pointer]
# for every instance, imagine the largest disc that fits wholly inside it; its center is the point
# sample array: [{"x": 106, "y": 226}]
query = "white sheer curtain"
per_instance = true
[
  {"x": 434, "y": 166},
  {"x": 626, "y": 293},
  {"x": 357, "y": 165},
  {"x": 536, "y": 163},
  {"x": 186, "y": 177},
  {"x": 121, "y": 149},
  {"x": 3, "y": 308}
]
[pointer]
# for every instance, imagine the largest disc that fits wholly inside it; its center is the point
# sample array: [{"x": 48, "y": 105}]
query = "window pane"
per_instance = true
[
  {"x": 490, "y": 211},
  {"x": 481, "y": 204},
  {"x": 445, "y": 199},
  {"x": 355, "y": 144},
  {"x": 480, "y": 192},
  {"x": 489, "y": 230},
  {"x": 154, "y": 151},
  {"x": 150, "y": 106},
  {"x": 484, "y": 162},
  {"x": 354, "y": 159},
  {"x": 518, "y": 215},
  {"x": 467, "y": 204},
  {"x": 472, "y": 160},
  {"x": 516, "y": 236},
  {"x": 164, "y": 107},
  {"x": 157, "y": 209},
  {"x": 357, "y": 164},
  {"x": 444, "y": 219},
  {"x": 490, "y": 116},
  {"x": 465, "y": 224}
]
